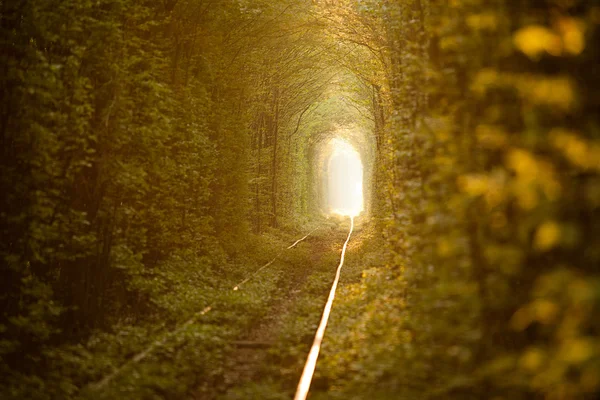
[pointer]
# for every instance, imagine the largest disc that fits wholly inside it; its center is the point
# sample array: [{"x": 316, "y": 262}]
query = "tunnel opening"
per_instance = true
[{"x": 344, "y": 173}]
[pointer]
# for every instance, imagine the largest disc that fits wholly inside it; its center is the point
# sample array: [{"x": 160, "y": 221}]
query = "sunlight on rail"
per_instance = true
[
  {"x": 313, "y": 355},
  {"x": 237, "y": 287},
  {"x": 345, "y": 174}
]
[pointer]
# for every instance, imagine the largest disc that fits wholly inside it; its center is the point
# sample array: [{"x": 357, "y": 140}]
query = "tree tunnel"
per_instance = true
[
  {"x": 155, "y": 153},
  {"x": 327, "y": 164}
]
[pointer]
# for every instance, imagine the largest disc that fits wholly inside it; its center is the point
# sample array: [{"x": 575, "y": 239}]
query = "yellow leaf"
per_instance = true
[
  {"x": 572, "y": 31},
  {"x": 534, "y": 174},
  {"x": 581, "y": 292},
  {"x": 483, "y": 21},
  {"x": 545, "y": 311},
  {"x": 532, "y": 359},
  {"x": 521, "y": 319},
  {"x": 496, "y": 189},
  {"x": 475, "y": 185},
  {"x": 580, "y": 152},
  {"x": 534, "y": 40},
  {"x": 547, "y": 236},
  {"x": 521, "y": 161},
  {"x": 557, "y": 92},
  {"x": 527, "y": 197},
  {"x": 450, "y": 43},
  {"x": 484, "y": 79},
  {"x": 577, "y": 351}
]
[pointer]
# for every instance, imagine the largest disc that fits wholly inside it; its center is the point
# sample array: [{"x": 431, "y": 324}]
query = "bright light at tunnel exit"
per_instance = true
[{"x": 345, "y": 180}]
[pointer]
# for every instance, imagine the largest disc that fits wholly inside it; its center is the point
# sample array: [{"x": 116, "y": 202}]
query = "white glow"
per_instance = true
[{"x": 345, "y": 180}]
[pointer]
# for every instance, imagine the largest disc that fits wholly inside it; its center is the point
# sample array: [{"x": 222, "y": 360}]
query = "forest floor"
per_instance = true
[
  {"x": 266, "y": 360},
  {"x": 251, "y": 343}
]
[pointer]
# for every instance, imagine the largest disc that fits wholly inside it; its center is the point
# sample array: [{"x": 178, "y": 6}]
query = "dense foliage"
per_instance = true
[
  {"x": 492, "y": 289},
  {"x": 154, "y": 152},
  {"x": 130, "y": 133}
]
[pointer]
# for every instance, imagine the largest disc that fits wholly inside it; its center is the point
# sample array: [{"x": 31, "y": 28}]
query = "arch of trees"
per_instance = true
[{"x": 146, "y": 145}]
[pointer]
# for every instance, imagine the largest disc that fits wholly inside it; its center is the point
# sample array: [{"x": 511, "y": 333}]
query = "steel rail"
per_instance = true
[
  {"x": 236, "y": 287},
  {"x": 313, "y": 355}
]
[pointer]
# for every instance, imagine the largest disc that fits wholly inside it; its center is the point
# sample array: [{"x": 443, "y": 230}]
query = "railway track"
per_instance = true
[
  {"x": 313, "y": 355},
  {"x": 251, "y": 350}
]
